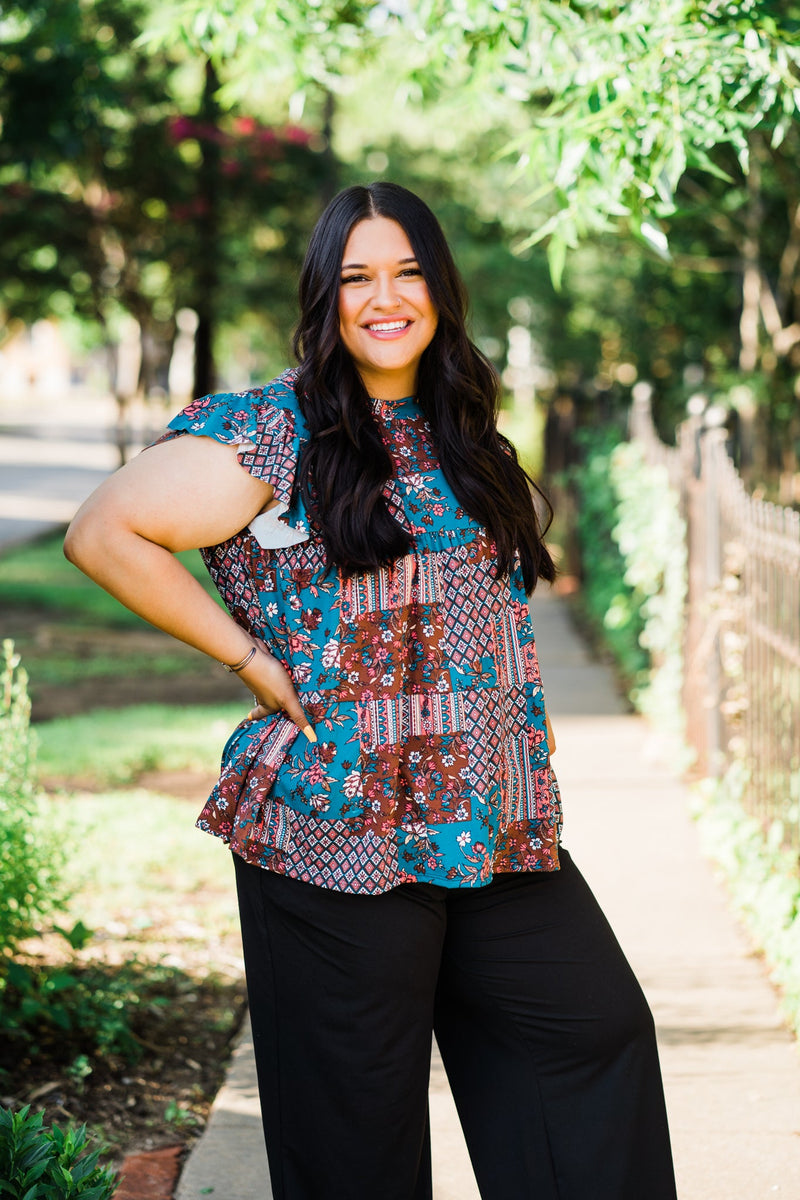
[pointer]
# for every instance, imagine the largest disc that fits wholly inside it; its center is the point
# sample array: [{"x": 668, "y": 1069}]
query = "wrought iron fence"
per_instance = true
[{"x": 742, "y": 629}]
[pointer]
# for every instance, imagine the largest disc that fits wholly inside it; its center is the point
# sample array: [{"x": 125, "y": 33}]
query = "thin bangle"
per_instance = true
[{"x": 240, "y": 666}]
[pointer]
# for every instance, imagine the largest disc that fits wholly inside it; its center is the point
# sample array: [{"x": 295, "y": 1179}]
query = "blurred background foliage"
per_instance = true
[{"x": 620, "y": 184}]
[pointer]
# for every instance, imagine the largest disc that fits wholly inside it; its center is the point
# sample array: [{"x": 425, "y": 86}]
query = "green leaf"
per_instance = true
[
  {"x": 655, "y": 237},
  {"x": 557, "y": 257}
]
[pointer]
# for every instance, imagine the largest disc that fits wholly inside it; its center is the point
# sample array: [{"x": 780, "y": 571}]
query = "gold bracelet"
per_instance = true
[{"x": 240, "y": 666}]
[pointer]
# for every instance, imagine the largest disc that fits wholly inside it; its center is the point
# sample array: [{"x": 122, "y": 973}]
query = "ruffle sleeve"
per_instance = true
[{"x": 266, "y": 423}]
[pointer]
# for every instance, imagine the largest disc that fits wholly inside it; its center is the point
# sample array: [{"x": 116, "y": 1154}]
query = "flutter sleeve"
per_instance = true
[{"x": 264, "y": 424}]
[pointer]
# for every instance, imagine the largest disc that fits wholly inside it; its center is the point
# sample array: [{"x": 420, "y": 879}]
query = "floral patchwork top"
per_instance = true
[{"x": 421, "y": 679}]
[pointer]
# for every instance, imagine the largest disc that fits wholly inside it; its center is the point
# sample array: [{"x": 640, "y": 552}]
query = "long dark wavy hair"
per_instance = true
[{"x": 345, "y": 465}]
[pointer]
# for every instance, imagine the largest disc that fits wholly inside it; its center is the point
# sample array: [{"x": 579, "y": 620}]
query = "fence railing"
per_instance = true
[{"x": 742, "y": 630}]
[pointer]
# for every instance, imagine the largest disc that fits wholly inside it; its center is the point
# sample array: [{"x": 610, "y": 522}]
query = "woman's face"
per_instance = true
[{"x": 386, "y": 318}]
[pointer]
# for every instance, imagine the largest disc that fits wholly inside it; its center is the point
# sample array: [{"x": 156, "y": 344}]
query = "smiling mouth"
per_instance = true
[{"x": 386, "y": 326}]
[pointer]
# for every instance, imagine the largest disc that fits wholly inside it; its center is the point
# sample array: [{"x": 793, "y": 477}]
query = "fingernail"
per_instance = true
[{"x": 309, "y": 732}]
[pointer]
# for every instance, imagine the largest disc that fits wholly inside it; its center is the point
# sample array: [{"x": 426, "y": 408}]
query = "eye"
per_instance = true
[
  {"x": 353, "y": 278},
  {"x": 411, "y": 271}
]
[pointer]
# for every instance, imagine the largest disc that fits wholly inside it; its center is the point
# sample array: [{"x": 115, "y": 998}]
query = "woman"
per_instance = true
[{"x": 390, "y": 802}]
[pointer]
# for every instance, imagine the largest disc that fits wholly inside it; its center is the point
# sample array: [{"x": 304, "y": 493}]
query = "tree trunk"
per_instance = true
[
  {"x": 751, "y": 302},
  {"x": 751, "y": 271},
  {"x": 207, "y": 280},
  {"x": 330, "y": 175}
]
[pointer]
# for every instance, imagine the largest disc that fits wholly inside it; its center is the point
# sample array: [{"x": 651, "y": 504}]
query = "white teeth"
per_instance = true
[{"x": 387, "y": 326}]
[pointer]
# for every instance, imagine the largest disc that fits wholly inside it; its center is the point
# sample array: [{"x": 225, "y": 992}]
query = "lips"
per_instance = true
[{"x": 387, "y": 327}]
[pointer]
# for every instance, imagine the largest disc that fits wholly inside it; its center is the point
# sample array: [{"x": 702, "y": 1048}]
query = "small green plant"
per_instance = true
[
  {"x": 39, "y": 1162},
  {"x": 79, "y": 1071},
  {"x": 32, "y": 854},
  {"x": 175, "y": 1114},
  {"x": 79, "y": 1009}
]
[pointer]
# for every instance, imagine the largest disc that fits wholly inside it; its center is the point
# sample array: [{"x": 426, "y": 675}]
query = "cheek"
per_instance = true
[
  {"x": 347, "y": 316},
  {"x": 434, "y": 324}
]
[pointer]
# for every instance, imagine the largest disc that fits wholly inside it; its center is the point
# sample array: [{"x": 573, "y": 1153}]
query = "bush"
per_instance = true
[
  {"x": 32, "y": 855},
  {"x": 38, "y": 1162},
  {"x": 607, "y": 600},
  {"x": 761, "y": 872},
  {"x": 41, "y": 1004},
  {"x": 633, "y": 553},
  {"x": 651, "y": 535}
]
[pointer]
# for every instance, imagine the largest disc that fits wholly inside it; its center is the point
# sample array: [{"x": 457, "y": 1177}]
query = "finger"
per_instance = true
[
  {"x": 283, "y": 697},
  {"x": 295, "y": 712}
]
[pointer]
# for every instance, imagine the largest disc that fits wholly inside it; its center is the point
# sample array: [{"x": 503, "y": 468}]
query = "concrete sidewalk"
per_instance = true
[{"x": 731, "y": 1069}]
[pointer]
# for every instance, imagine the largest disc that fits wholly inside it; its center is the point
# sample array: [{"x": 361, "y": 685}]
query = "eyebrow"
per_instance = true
[{"x": 363, "y": 266}]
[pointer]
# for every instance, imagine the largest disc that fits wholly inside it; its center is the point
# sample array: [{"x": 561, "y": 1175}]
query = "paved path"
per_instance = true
[
  {"x": 52, "y": 455},
  {"x": 731, "y": 1069}
]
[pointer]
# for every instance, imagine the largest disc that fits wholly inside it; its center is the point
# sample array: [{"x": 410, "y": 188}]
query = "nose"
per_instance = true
[{"x": 385, "y": 296}]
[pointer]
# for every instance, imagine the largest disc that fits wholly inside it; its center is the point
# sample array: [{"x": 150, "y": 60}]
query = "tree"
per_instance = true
[
  {"x": 126, "y": 190},
  {"x": 609, "y": 104}
]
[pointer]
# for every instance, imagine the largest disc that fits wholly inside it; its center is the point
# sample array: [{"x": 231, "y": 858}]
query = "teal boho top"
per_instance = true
[{"x": 421, "y": 679}]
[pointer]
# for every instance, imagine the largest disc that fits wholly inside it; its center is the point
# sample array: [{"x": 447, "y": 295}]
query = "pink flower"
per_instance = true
[
  {"x": 181, "y": 128},
  {"x": 297, "y": 136},
  {"x": 315, "y": 774}
]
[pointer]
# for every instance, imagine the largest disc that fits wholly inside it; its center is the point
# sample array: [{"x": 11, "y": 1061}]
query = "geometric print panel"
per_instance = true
[
  {"x": 344, "y": 858},
  {"x": 468, "y": 635}
]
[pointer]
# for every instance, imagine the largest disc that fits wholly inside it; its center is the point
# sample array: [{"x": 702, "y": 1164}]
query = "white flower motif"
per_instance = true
[
  {"x": 417, "y": 829},
  {"x": 330, "y": 653},
  {"x": 351, "y": 785},
  {"x": 271, "y": 609},
  {"x": 464, "y": 838}
]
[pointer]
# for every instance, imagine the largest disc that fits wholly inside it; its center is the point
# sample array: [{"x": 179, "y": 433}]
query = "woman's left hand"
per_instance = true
[{"x": 273, "y": 690}]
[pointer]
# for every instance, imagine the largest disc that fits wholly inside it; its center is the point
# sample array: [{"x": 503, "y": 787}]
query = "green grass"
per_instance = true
[
  {"x": 112, "y": 747},
  {"x": 146, "y": 878},
  {"x": 61, "y": 667},
  {"x": 37, "y": 576},
  {"x": 68, "y": 630}
]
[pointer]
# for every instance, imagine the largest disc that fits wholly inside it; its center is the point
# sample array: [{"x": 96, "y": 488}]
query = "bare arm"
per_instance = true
[{"x": 179, "y": 495}]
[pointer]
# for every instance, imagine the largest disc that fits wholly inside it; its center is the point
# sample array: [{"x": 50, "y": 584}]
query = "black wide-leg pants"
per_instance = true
[{"x": 545, "y": 1035}]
